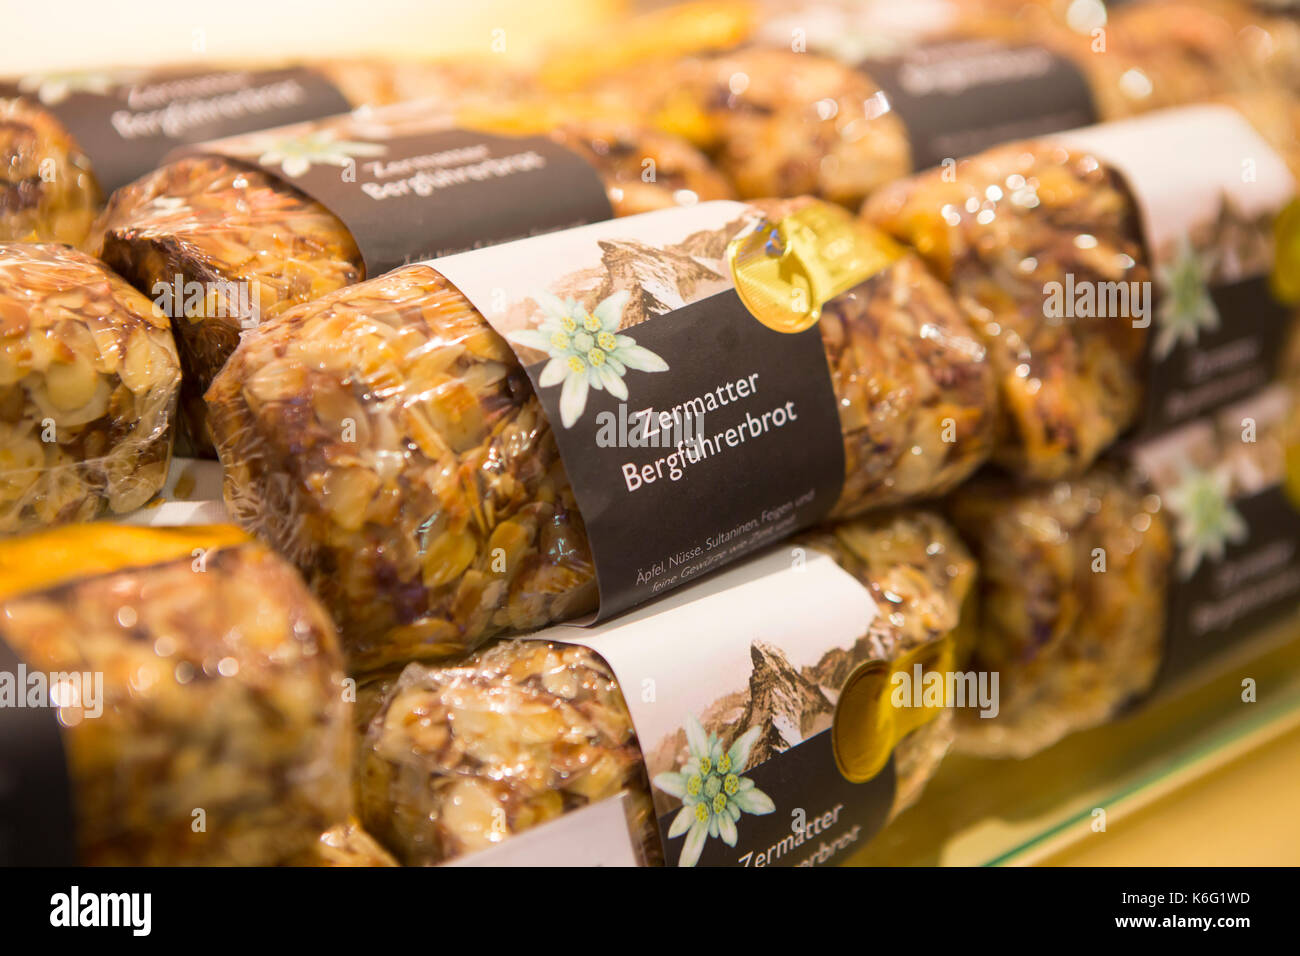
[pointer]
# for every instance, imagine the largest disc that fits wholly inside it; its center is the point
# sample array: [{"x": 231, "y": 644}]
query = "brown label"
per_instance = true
[
  {"x": 959, "y": 97},
  {"x": 408, "y": 186},
  {"x": 127, "y": 123}
]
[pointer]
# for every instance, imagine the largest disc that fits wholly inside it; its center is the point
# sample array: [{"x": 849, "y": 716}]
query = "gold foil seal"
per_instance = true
[
  {"x": 1286, "y": 255},
  {"x": 785, "y": 271},
  {"x": 868, "y": 724}
]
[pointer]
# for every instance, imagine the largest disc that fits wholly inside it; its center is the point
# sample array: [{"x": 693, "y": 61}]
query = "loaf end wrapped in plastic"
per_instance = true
[
  {"x": 218, "y": 732},
  {"x": 387, "y": 440},
  {"x": 998, "y": 229},
  {"x": 89, "y": 377},
  {"x": 48, "y": 192},
  {"x": 461, "y": 756},
  {"x": 1073, "y": 641},
  {"x": 259, "y": 246}
]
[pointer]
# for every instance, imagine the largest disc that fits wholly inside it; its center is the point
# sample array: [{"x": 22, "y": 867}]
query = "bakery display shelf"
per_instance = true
[{"x": 1021, "y": 812}]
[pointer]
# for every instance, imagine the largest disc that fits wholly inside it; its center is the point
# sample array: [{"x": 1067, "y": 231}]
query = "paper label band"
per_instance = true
[
  {"x": 959, "y": 97},
  {"x": 409, "y": 186},
  {"x": 733, "y": 684},
  {"x": 691, "y": 432},
  {"x": 127, "y": 122}
]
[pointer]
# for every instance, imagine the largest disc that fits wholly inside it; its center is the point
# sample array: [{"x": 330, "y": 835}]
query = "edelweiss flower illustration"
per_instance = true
[
  {"x": 54, "y": 88},
  {"x": 1186, "y": 309},
  {"x": 712, "y": 791},
  {"x": 297, "y": 154},
  {"x": 1206, "y": 518},
  {"x": 586, "y": 350}
]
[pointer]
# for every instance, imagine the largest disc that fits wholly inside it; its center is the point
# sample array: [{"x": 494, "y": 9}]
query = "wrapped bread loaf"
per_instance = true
[
  {"x": 998, "y": 228},
  {"x": 461, "y": 756},
  {"x": 206, "y": 218},
  {"x": 1072, "y": 640},
  {"x": 220, "y": 733},
  {"x": 776, "y": 123},
  {"x": 89, "y": 377},
  {"x": 449, "y": 459},
  {"x": 47, "y": 189}
]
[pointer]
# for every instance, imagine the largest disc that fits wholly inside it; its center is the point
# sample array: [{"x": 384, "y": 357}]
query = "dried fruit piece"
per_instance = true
[
  {"x": 457, "y": 521},
  {"x": 221, "y": 697},
  {"x": 459, "y": 757},
  {"x": 90, "y": 377}
]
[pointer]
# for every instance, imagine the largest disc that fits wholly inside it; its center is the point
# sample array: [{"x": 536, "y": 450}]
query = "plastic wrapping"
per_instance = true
[
  {"x": 206, "y": 219},
  {"x": 89, "y": 377},
  {"x": 777, "y": 123},
  {"x": 1275, "y": 115},
  {"x": 443, "y": 515},
  {"x": 461, "y": 756},
  {"x": 1197, "y": 48},
  {"x": 998, "y": 228},
  {"x": 47, "y": 188},
  {"x": 221, "y": 691},
  {"x": 1072, "y": 644}
]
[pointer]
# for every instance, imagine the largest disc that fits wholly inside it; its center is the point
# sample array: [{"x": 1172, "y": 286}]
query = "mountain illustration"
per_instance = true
[
  {"x": 659, "y": 280},
  {"x": 790, "y": 707}
]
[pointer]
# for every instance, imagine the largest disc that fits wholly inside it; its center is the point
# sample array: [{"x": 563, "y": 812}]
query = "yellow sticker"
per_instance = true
[
  {"x": 868, "y": 725},
  {"x": 786, "y": 271},
  {"x": 1286, "y": 257},
  {"x": 46, "y": 559}
]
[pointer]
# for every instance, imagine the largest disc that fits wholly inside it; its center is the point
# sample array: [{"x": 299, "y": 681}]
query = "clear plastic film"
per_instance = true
[
  {"x": 47, "y": 188},
  {"x": 207, "y": 722},
  {"x": 461, "y": 756},
  {"x": 1071, "y": 646},
  {"x": 210, "y": 220},
  {"x": 89, "y": 377},
  {"x": 388, "y": 441},
  {"x": 997, "y": 228},
  {"x": 775, "y": 122}
]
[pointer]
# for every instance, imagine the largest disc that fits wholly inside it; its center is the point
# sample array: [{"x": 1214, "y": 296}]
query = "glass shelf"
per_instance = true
[{"x": 1014, "y": 812}]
